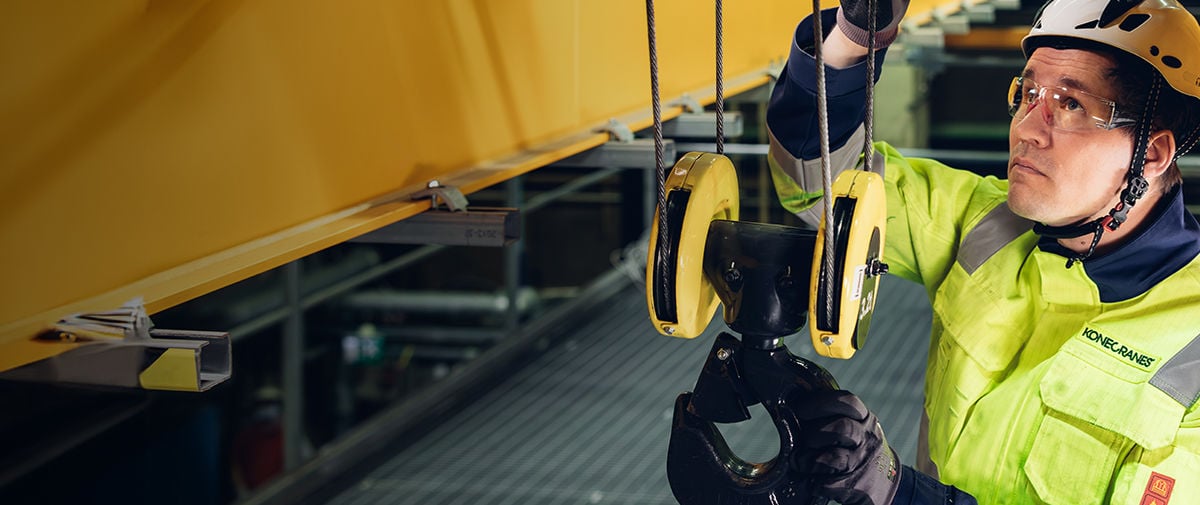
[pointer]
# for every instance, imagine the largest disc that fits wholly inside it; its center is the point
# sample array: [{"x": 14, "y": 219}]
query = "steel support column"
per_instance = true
[
  {"x": 514, "y": 254},
  {"x": 293, "y": 369}
]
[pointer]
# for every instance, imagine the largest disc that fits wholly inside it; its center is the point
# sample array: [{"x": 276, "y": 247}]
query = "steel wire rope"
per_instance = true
[
  {"x": 869, "y": 119},
  {"x": 823, "y": 133},
  {"x": 826, "y": 173},
  {"x": 720, "y": 86},
  {"x": 659, "y": 165}
]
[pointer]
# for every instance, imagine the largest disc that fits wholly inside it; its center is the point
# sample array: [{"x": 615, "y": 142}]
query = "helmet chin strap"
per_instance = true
[{"x": 1135, "y": 187}]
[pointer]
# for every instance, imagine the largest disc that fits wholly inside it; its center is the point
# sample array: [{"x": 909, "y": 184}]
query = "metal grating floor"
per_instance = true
[{"x": 588, "y": 422}]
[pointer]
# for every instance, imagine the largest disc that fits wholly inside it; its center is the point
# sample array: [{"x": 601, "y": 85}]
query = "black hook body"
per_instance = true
[
  {"x": 761, "y": 274},
  {"x": 701, "y": 467}
]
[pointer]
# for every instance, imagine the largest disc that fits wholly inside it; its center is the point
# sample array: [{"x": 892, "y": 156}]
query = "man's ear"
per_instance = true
[{"x": 1160, "y": 150}]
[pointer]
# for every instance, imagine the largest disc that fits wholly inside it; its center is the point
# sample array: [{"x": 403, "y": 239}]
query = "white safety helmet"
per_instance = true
[{"x": 1161, "y": 32}]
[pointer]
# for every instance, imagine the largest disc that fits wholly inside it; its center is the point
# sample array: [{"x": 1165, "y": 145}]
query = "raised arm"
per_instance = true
[{"x": 792, "y": 114}]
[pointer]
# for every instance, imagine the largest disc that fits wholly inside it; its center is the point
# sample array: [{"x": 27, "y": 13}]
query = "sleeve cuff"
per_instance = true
[
  {"x": 917, "y": 488},
  {"x": 802, "y": 66},
  {"x": 862, "y": 37}
]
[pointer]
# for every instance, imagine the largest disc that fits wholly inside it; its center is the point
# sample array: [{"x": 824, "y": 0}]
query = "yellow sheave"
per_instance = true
[{"x": 1036, "y": 391}]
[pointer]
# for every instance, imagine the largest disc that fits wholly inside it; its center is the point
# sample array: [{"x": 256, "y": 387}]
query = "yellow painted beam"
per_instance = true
[
  {"x": 166, "y": 149},
  {"x": 989, "y": 38}
]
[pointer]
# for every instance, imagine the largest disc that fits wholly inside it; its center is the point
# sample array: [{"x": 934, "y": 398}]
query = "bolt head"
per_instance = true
[
  {"x": 722, "y": 354},
  {"x": 827, "y": 340},
  {"x": 669, "y": 330},
  {"x": 434, "y": 184}
]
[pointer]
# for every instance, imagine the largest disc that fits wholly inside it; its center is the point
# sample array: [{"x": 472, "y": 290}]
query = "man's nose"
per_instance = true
[
  {"x": 1031, "y": 131},
  {"x": 1047, "y": 111},
  {"x": 1039, "y": 102}
]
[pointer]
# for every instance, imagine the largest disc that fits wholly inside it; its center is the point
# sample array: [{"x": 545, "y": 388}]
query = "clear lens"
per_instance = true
[{"x": 1070, "y": 110}]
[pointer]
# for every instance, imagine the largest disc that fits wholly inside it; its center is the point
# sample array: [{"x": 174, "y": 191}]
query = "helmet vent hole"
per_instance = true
[
  {"x": 1133, "y": 21},
  {"x": 1116, "y": 9},
  {"x": 1088, "y": 25},
  {"x": 1154, "y": 50},
  {"x": 1172, "y": 61}
]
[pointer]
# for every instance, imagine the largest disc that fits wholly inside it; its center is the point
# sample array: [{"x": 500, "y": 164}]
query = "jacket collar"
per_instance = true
[{"x": 1170, "y": 240}]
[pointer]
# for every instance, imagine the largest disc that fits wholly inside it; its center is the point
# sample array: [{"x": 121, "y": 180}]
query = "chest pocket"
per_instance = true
[
  {"x": 975, "y": 347},
  {"x": 1096, "y": 410}
]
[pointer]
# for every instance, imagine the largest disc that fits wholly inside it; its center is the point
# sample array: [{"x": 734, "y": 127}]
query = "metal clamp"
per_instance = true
[
  {"x": 617, "y": 131},
  {"x": 455, "y": 225},
  {"x": 689, "y": 104},
  {"x": 454, "y": 199}
]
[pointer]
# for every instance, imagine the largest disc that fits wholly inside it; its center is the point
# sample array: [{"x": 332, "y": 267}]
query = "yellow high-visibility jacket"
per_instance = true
[
  {"x": 1037, "y": 391},
  {"x": 1045, "y": 384}
]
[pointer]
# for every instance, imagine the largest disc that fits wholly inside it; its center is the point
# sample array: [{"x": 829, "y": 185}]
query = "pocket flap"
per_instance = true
[{"x": 1079, "y": 386}]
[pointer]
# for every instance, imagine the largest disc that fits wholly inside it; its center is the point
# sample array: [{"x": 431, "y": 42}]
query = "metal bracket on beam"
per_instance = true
[
  {"x": 453, "y": 198},
  {"x": 689, "y": 104},
  {"x": 703, "y": 125},
  {"x": 478, "y": 226},
  {"x": 121, "y": 348},
  {"x": 637, "y": 153},
  {"x": 954, "y": 24},
  {"x": 981, "y": 13},
  {"x": 617, "y": 131},
  {"x": 457, "y": 225}
]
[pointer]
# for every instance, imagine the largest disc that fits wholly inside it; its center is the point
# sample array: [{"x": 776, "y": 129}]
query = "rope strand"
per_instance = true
[
  {"x": 823, "y": 133},
  {"x": 826, "y": 171},
  {"x": 659, "y": 164},
  {"x": 869, "y": 120},
  {"x": 720, "y": 105}
]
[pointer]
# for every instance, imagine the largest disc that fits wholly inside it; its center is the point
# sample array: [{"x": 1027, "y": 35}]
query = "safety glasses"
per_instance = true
[{"x": 1070, "y": 109}]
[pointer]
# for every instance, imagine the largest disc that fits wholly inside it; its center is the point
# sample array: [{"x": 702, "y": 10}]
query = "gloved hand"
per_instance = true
[
  {"x": 842, "y": 447},
  {"x": 854, "y": 21}
]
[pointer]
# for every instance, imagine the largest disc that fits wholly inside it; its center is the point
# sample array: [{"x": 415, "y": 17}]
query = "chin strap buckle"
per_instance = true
[
  {"x": 1115, "y": 217},
  {"x": 1133, "y": 192}
]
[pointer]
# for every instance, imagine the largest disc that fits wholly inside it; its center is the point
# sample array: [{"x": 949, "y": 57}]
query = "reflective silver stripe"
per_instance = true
[
  {"x": 807, "y": 173},
  {"x": 996, "y": 230},
  {"x": 1179, "y": 377}
]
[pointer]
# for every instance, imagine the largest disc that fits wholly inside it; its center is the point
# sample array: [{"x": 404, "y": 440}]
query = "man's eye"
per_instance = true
[{"x": 1070, "y": 104}]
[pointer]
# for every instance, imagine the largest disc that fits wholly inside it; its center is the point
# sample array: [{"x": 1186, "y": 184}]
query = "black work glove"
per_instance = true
[
  {"x": 842, "y": 447},
  {"x": 853, "y": 20}
]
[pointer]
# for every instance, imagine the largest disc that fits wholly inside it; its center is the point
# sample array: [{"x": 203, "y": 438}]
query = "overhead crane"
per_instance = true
[{"x": 157, "y": 152}]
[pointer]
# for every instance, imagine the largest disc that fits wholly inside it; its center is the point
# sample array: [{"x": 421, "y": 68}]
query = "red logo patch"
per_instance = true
[{"x": 1158, "y": 490}]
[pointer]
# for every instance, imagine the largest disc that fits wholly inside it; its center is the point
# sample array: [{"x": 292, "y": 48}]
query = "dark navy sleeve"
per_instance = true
[
  {"x": 917, "y": 488},
  {"x": 792, "y": 113}
]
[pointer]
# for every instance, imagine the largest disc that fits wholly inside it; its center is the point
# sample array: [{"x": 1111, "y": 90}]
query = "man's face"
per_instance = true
[{"x": 1059, "y": 177}]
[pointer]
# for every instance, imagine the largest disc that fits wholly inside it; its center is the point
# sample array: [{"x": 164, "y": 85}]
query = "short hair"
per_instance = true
[{"x": 1175, "y": 111}]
